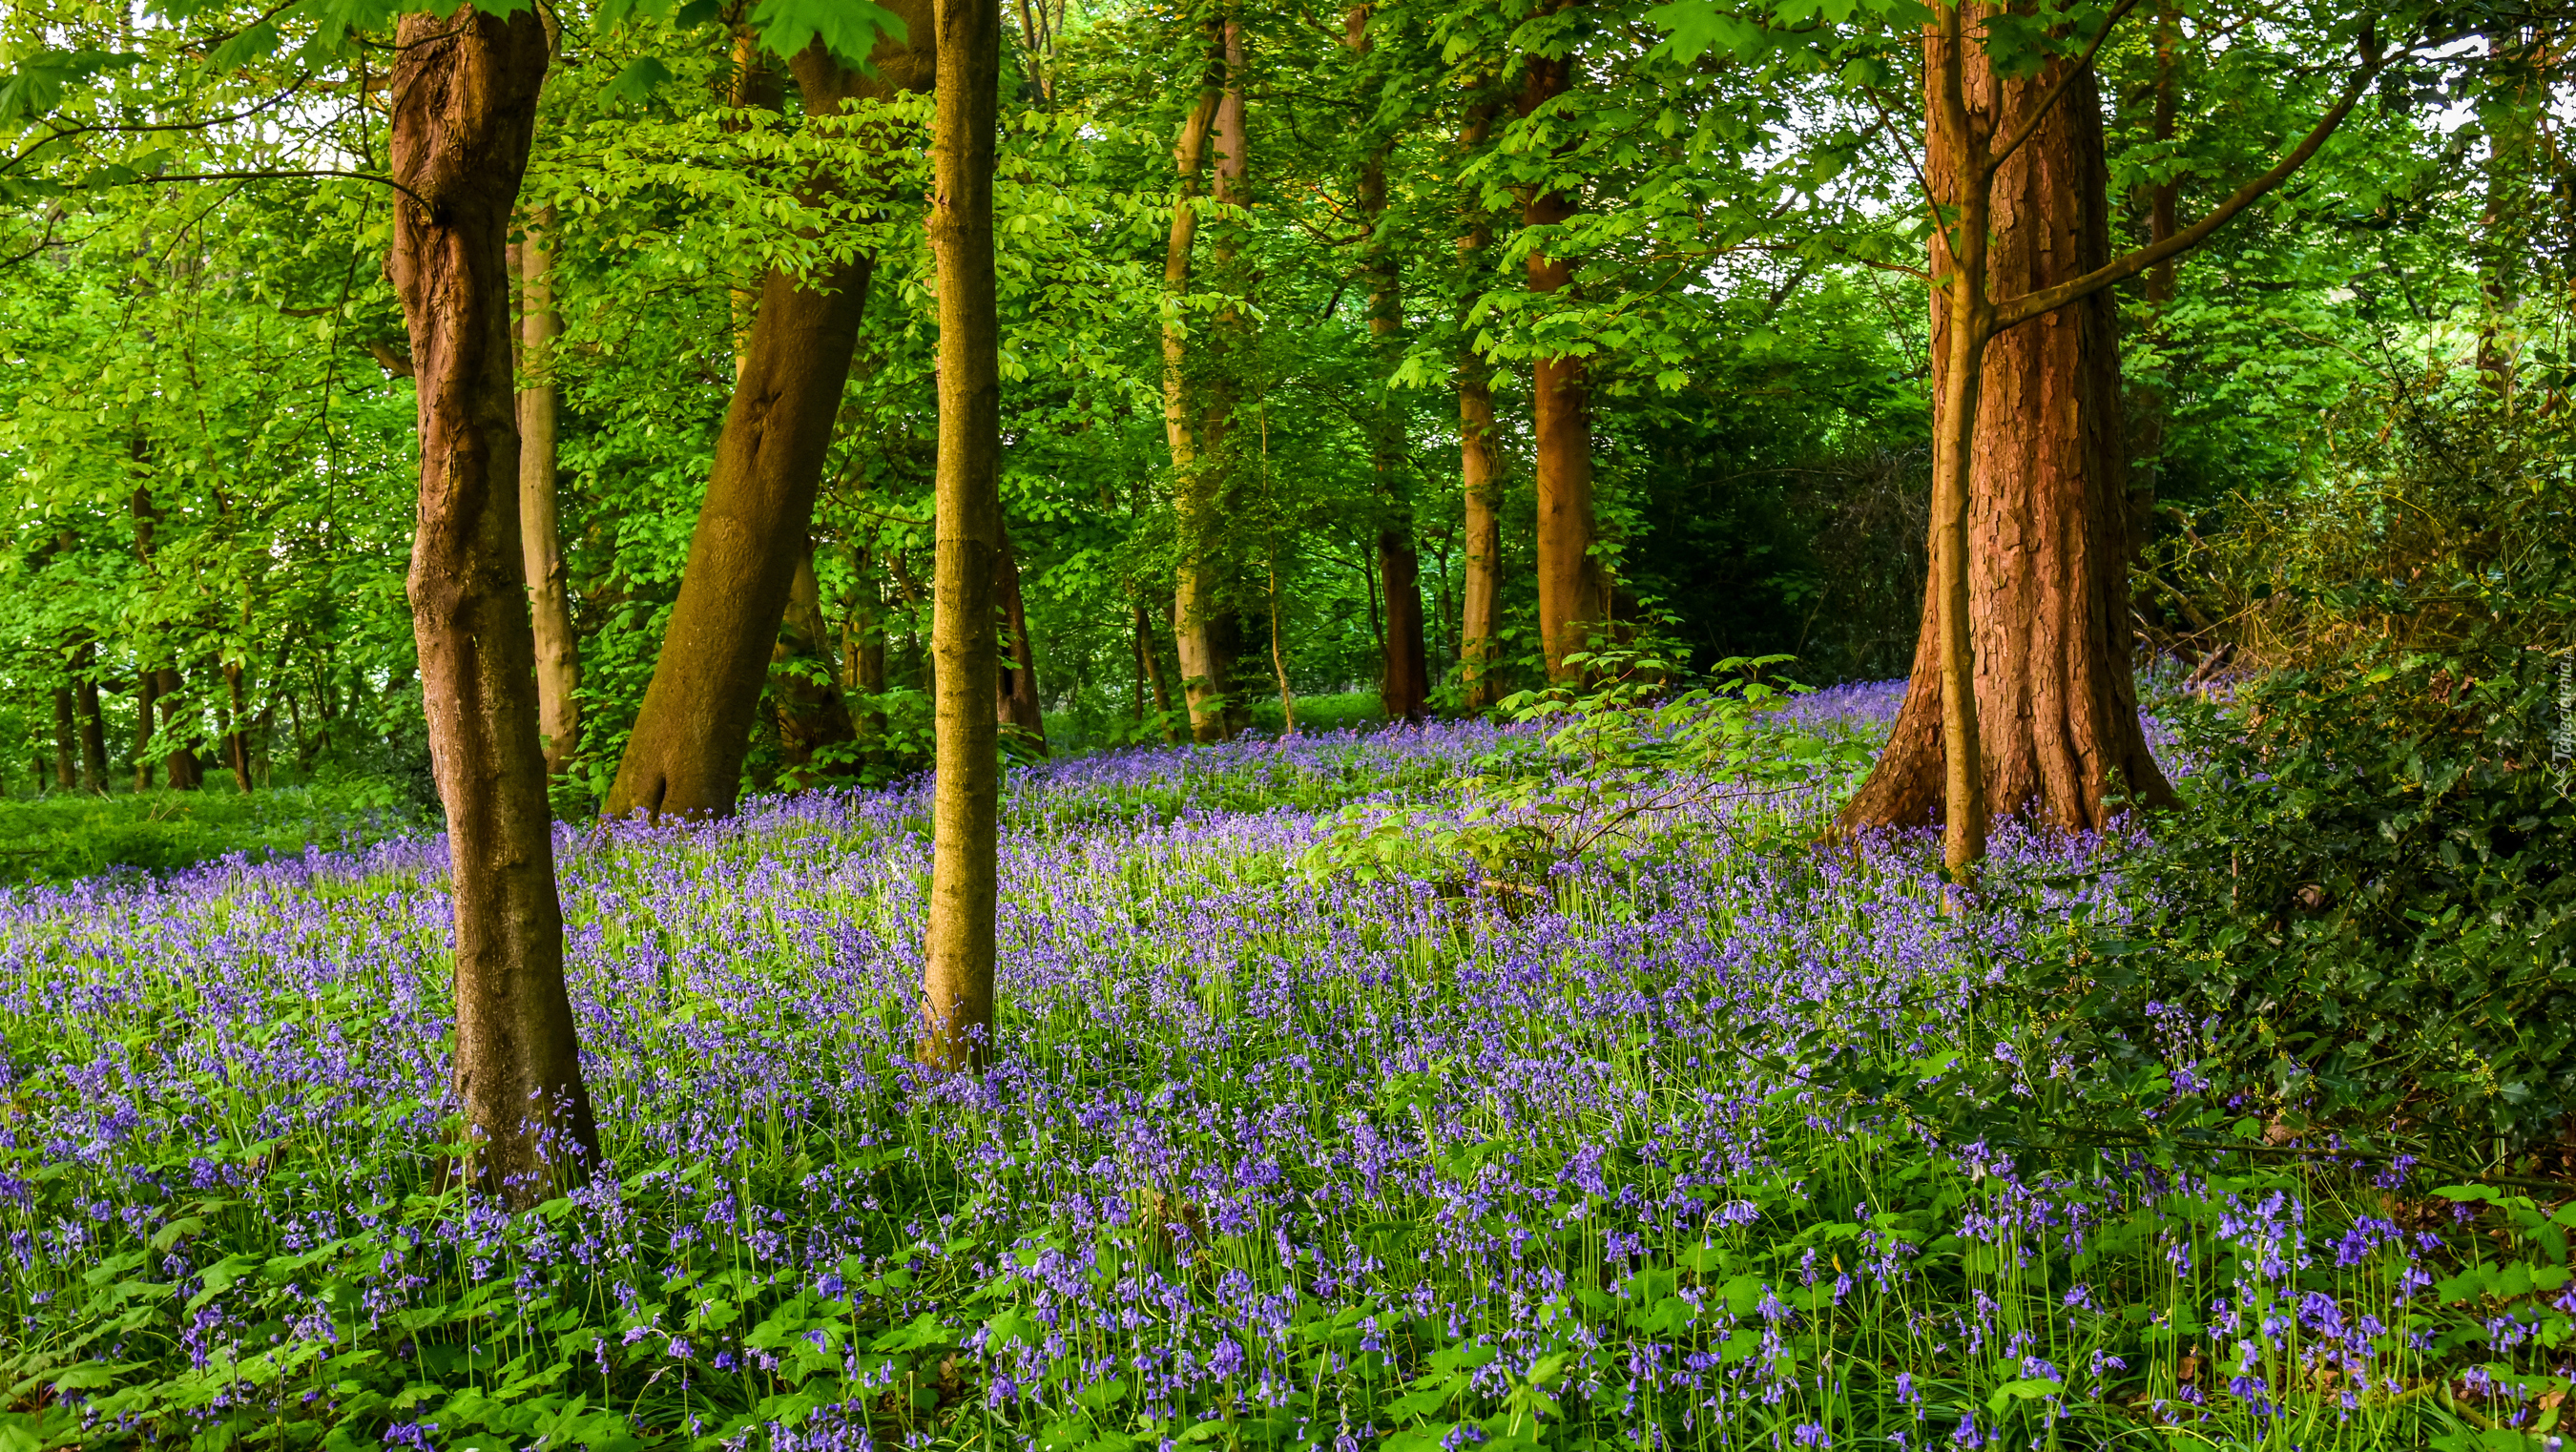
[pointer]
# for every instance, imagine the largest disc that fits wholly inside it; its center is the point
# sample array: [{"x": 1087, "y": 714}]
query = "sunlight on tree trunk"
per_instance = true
[
  {"x": 957, "y": 986},
  {"x": 1573, "y": 593},
  {"x": 540, "y": 541}
]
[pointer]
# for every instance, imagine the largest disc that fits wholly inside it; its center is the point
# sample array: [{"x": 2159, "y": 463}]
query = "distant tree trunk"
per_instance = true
[
  {"x": 146, "y": 687},
  {"x": 236, "y": 727},
  {"x": 2511, "y": 124},
  {"x": 1205, "y": 668},
  {"x": 93, "y": 729},
  {"x": 2028, "y": 604},
  {"x": 686, "y": 752},
  {"x": 1573, "y": 591},
  {"x": 1017, "y": 709},
  {"x": 181, "y": 771},
  {"x": 957, "y": 984},
  {"x": 1279, "y": 651},
  {"x": 1404, "y": 670},
  {"x": 812, "y": 717},
  {"x": 1480, "y": 477},
  {"x": 66, "y": 774},
  {"x": 1149, "y": 666},
  {"x": 464, "y": 110},
  {"x": 540, "y": 538}
]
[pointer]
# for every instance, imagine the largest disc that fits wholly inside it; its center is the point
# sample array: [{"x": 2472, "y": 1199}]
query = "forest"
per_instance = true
[{"x": 1877, "y": 753}]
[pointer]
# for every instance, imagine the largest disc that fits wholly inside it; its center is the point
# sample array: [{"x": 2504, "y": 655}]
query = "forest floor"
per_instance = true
[{"x": 1274, "y": 1153}]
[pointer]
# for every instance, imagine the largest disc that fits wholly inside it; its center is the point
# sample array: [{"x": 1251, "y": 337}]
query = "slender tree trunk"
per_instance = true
[
  {"x": 464, "y": 111},
  {"x": 957, "y": 984},
  {"x": 236, "y": 727},
  {"x": 146, "y": 686},
  {"x": 812, "y": 717},
  {"x": 2022, "y": 698},
  {"x": 1573, "y": 590},
  {"x": 540, "y": 537},
  {"x": 1404, "y": 684},
  {"x": 93, "y": 728},
  {"x": 1204, "y": 667},
  {"x": 180, "y": 769},
  {"x": 66, "y": 774},
  {"x": 1279, "y": 651},
  {"x": 686, "y": 752},
  {"x": 1149, "y": 662},
  {"x": 1017, "y": 709},
  {"x": 1480, "y": 477}
]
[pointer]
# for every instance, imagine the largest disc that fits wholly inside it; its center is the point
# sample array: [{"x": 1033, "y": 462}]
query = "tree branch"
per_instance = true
[
  {"x": 2030, "y": 123},
  {"x": 2022, "y": 309},
  {"x": 206, "y": 176}
]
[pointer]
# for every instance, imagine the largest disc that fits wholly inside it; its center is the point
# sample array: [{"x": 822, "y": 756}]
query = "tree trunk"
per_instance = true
[
  {"x": 1204, "y": 668},
  {"x": 66, "y": 774},
  {"x": 180, "y": 769},
  {"x": 146, "y": 686},
  {"x": 1573, "y": 591},
  {"x": 1480, "y": 478},
  {"x": 1404, "y": 685},
  {"x": 93, "y": 729},
  {"x": 236, "y": 727},
  {"x": 540, "y": 538},
  {"x": 1149, "y": 664},
  {"x": 464, "y": 110},
  {"x": 812, "y": 717},
  {"x": 685, "y": 755},
  {"x": 2028, "y": 604},
  {"x": 957, "y": 983},
  {"x": 1017, "y": 710}
]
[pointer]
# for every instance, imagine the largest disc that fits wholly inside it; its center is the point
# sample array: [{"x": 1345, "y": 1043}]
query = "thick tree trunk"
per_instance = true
[
  {"x": 1192, "y": 430},
  {"x": 1573, "y": 590},
  {"x": 1016, "y": 706},
  {"x": 464, "y": 111},
  {"x": 540, "y": 537},
  {"x": 2030, "y": 540},
  {"x": 957, "y": 983},
  {"x": 685, "y": 755},
  {"x": 803, "y": 687}
]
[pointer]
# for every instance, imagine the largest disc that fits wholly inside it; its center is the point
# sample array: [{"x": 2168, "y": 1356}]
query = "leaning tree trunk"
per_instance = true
[
  {"x": 1573, "y": 591},
  {"x": 464, "y": 110},
  {"x": 685, "y": 755},
  {"x": 1016, "y": 706},
  {"x": 957, "y": 983},
  {"x": 2044, "y": 577},
  {"x": 540, "y": 537}
]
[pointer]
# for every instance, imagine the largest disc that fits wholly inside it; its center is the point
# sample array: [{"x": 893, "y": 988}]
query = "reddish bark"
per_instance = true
[{"x": 1573, "y": 591}]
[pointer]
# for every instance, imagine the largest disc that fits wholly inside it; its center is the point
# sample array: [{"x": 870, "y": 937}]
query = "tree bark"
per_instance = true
[
  {"x": 540, "y": 537},
  {"x": 464, "y": 111},
  {"x": 2022, "y": 698},
  {"x": 1016, "y": 706},
  {"x": 1573, "y": 590},
  {"x": 957, "y": 983},
  {"x": 146, "y": 686},
  {"x": 803, "y": 687},
  {"x": 1194, "y": 414},
  {"x": 236, "y": 727},
  {"x": 685, "y": 755}
]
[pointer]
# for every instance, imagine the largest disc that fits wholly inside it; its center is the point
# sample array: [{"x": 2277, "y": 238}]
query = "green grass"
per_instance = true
[{"x": 65, "y": 836}]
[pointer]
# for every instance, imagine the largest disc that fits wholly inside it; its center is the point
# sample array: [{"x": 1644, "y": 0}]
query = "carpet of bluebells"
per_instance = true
[{"x": 1269, "y": 1157}]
